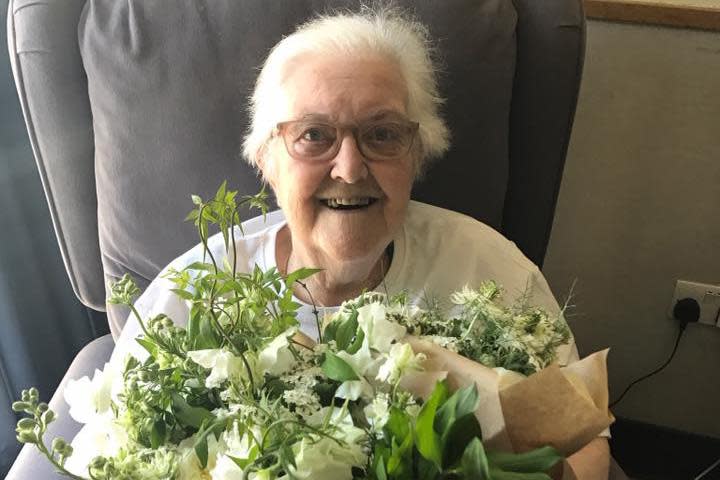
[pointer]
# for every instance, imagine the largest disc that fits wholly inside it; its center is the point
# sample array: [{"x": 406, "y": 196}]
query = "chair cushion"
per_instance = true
[{"x": 167, "y": 82}]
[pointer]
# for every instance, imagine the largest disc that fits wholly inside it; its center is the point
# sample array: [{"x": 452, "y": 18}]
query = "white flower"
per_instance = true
[
  {"x": 354, "y": 389},
  {"x": 379, "y": 331},
  {"x": 222, "y": 363},
  {"x": 101, "y": 437},
  {"x": 362, "y": 363},
  {"x": 378, "y": 412},
  {"x": 237, "y": 446},
  {"x": 226, "y": 469},
  {"x": 89, "y": 399},
  {"x": 189, "y": 467},
  {"x": 276, "y": 357},
  {"x": 323, "y": 458},
  {"x": 400, "y": 360},
  {"x": 464, "y": 296}
]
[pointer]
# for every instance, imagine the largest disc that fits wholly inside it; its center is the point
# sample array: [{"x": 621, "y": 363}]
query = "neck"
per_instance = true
[{"x": 338, "y": 281}]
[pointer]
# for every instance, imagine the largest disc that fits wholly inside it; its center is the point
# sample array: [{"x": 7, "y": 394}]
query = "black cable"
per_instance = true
[
  {"x": 677, "y": 342},
  {"x": 685, "y": 311}
]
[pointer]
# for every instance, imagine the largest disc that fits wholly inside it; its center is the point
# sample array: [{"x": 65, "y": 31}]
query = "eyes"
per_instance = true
[
  {"x": 380, "y": 133},
  {"x": 376, "y": 140}
]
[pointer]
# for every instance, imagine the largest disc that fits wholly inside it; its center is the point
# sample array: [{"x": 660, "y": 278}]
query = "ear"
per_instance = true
[{"x": 265, "y": 164}]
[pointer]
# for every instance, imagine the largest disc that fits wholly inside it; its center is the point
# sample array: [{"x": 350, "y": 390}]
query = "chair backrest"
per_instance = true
[{"x": 131, "y": 106}]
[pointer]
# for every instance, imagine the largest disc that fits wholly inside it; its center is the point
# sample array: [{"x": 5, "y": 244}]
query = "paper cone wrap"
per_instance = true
[{"x": 565, "y": 407}]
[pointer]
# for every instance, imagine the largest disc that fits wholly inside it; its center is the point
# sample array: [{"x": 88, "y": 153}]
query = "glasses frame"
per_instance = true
[{"x": 340, "y": 131}]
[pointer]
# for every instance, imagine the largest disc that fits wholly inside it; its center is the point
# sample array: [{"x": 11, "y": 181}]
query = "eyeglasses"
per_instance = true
[{"x": 314, "y": 141}]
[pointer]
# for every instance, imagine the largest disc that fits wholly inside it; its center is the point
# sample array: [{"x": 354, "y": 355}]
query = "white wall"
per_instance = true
[{"x": 639, "y": 207}]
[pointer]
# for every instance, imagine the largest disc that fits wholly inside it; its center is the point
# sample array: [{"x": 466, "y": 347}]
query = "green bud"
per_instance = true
[
  {"x": 26, "y": 437},
  {"x": 20, "y": 406},
  {"x": 47, "y": 417},
  {"x": 98, "y": 462},
  {"x": 26, "y": 424},
  {"x": 58, "y": 444},
  {"x": 34, "y": 394},
  {"x": 43, "y": 407},
  {"x": 68, "y": 450},
  {"x": 143, "y": 376}
]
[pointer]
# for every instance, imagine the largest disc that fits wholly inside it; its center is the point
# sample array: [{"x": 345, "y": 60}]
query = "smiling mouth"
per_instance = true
[{"x": 355, "y": 203}]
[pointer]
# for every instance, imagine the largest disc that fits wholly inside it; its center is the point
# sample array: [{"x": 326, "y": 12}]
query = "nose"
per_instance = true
[{"x": 349, "y": 164}]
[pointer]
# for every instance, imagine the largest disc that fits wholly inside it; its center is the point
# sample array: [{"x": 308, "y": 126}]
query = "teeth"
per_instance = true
[{"x": 336, "y": 202}]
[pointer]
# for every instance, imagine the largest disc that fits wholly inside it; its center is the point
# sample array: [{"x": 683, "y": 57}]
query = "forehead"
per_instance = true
[{"x": 342, "y": 88}]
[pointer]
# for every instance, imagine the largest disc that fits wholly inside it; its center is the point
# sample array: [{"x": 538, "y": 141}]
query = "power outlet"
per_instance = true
[{"x": 707, "y": 296}]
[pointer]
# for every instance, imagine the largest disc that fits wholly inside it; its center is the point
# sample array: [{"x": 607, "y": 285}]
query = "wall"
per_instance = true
[{"x": 639, "y": 207}]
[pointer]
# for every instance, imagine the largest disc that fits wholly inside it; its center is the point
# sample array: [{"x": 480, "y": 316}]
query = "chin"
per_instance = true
[{"x": 357, "y": 249}]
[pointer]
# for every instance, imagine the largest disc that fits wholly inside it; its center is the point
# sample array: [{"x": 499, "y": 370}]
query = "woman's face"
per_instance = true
[{"x": 341, "y": 91}]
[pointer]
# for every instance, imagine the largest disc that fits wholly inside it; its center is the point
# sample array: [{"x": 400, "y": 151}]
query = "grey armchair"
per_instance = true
[{"x": 132, "y": 105}]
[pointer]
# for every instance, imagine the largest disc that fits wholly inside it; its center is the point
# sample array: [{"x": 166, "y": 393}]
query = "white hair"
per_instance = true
[{"x": 386, "y": 32}]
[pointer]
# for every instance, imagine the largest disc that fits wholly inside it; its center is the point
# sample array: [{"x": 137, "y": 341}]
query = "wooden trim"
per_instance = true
[{"x": 706, "y": 18}]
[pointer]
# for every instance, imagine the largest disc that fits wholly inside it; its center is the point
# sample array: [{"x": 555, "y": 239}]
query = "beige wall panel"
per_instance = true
[{"x": 639, "y": 207}]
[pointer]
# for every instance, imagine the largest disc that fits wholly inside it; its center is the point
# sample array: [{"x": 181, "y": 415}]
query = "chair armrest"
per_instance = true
[{"x": 30, "y": 464}]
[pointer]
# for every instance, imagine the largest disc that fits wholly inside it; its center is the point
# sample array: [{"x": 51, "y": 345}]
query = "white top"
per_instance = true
[{"x": 436, "y": 252}]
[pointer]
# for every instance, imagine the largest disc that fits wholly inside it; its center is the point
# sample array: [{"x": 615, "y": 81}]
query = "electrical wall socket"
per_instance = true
[{"x": 707, "y": 296}]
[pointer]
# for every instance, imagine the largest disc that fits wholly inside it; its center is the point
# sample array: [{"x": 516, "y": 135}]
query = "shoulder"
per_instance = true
[
  {"x": 441, "y": 251},
  {"x": 461, "y": 236}
]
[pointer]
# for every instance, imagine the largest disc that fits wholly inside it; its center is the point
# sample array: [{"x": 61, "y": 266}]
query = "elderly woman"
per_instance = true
[{"x": 344, "y": 119}]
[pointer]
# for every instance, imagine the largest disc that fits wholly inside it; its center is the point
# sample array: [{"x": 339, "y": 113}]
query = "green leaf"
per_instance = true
[
  {"x": 157, "y": 434},
  {"x": 300, "y": 274},
  {"x": 196, "y": 199},
  {"x": 427, "y": 440},
  {"x": 201, "y": 450},
  {"x": 184, "y": 294},
  {"x": 338, "y": 369},
  {"x": 357, "y": 343},
  {"x": 187, "y": 414},
  {"x": 463, "y": 402},
  {"x": 456, "y": 423},
  {"x": 220, "y": 195},
  {"x": 200, "y": 266},
  {"x": 538, "y": 460},
  {"x": 474, "y": 463},
  {"x": 347, "y": 331},
  {"x": 380, "y": 470},
  {"x": 207, "y": 336},
  {"x": 148, "y": 345}
]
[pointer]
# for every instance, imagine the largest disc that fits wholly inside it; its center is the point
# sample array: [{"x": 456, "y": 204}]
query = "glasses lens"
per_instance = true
[
  {"x": 309, "y": 140},
  {"x": 386, "y": 140}
]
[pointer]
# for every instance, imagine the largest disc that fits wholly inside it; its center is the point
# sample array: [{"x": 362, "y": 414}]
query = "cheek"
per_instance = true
[
  {"x": 296, "y": 187},
  {"x": 396, "y": 183}
]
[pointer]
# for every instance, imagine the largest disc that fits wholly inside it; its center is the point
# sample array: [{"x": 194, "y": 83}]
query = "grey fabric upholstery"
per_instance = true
[
  {"x": 44, "y": 52},
  {"x": 31, "y": 465},
  {"x": 164, "y": 102}
]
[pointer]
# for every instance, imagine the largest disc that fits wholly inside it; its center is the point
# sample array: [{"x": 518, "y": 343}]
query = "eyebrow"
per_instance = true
[{"x": 379, "y": 115}]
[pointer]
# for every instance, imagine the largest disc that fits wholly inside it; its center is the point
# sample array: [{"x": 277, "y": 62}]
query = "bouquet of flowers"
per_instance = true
[{"x": 240, "y": 393}]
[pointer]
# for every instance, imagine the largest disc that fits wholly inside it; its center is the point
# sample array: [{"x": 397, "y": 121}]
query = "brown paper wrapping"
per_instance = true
[{"x": 565, "y": 407}]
